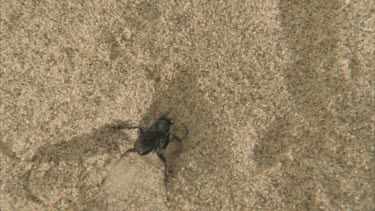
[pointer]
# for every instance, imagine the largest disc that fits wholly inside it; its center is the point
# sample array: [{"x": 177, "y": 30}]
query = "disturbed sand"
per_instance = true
[{"x": 277, "y": 97}]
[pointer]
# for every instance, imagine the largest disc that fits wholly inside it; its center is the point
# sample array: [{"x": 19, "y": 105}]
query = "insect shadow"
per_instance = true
[
  {"x": 67, "y": 165},
  {"x": 155, "y": 138}
]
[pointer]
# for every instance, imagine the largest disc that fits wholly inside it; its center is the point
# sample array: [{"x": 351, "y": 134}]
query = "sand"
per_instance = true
[{"x": 277, "y": 96}]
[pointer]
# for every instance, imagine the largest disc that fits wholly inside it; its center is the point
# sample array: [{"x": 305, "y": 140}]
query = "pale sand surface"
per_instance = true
[{"x": 277, "y": 97}]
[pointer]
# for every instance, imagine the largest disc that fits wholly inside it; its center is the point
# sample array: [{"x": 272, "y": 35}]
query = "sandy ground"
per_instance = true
[{"x": 277, "y": 97}]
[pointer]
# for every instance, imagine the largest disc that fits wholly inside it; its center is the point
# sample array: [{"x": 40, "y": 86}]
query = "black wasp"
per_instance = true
[{"x": 155, "y": 138}]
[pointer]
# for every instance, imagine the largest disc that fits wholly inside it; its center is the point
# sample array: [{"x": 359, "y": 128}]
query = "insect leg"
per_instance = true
[
  {"x": 126, "y": 153},
  {"x": 176, "y": 137},
  {"x": 120, "y": 127},
  {"x": 187, "y": 131},
  {"x": 162, "y": 158}
]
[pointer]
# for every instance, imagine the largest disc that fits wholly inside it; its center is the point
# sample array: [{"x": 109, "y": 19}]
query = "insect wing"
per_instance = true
[{"x": 148, "y": 141}]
